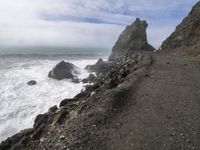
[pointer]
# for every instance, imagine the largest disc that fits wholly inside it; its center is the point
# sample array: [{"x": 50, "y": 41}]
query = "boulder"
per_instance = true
[
  {"x": 133, "y": 38},
  {"x": 66, "y": 101},
  {"x": 90, "y": 79},
  {"x": 63, "y": 70},
  {"x": 32, "y": 82},
  {"x": 76, "y": 80},
  {"x": 101, "y": 66},
  {"x": 40, "y": 119},
  {"x": 85, "y": 80},
  {"x": 96, "y": 67},
  {"x": 186, "y": 37}
]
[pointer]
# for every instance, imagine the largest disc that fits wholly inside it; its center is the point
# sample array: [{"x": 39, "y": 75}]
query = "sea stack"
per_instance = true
[
  {"x": 133, "y": 38},
  {"x": 186, "y": 37},
  {"x": 63, "y": 70}
]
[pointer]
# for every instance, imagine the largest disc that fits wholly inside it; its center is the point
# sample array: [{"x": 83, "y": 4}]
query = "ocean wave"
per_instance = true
[{"x": 20, "y": 103}]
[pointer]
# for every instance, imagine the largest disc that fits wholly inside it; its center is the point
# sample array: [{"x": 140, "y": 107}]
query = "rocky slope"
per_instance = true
[
  {"x": 81, "y": 122},
  {"x": 186, "y": 37},
  {"x": 133, "y": 38}
]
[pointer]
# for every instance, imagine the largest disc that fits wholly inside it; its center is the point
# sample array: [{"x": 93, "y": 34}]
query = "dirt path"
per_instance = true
[{"x": 164, "y": 112}]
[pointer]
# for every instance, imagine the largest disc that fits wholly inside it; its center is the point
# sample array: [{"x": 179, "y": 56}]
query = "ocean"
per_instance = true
[{"x": 21, "y": 103}]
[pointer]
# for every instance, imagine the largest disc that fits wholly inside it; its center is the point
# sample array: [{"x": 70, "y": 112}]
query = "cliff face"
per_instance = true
[
  {"x": 133, "y": 38},
  {"x": 187, "y": 34}
]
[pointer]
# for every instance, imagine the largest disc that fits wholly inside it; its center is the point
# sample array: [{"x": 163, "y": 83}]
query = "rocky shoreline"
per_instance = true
[
  {"x": 125, "y": 107},
  {"x": 83, "y": 108}
]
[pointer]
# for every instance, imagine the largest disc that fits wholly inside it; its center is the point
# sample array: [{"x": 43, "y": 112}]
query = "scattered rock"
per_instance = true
[
  {"x": 32, "y": 82},
  {"x": 63, "y": 70}
]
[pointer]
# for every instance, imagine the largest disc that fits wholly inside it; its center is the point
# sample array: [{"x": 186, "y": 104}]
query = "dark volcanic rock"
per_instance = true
[
  {"x": 101, "y": 66},
  {"x": 90, "y": 79},
  {"x": 32, "y": 82},
  {"x": 65, "y": 102},
  {"x": 187, "y": 34},
  {"x": 133, "y": 38},
  {"x": 19, "y": 137},
  {"x": 63, "y": 70},
  {"x": 76, "y": 80},
  {"x": 96, "y": 67},
  {"x": 40, "y": 119}
]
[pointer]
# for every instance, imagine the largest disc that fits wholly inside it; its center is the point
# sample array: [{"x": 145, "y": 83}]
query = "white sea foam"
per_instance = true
[{"x": 20, "y": 103}]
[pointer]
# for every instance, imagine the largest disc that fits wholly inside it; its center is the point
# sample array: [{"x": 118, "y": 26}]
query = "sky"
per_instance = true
[{"x": 85, "y": 23}]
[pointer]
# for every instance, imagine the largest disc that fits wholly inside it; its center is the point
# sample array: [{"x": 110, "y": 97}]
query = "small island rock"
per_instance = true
[{"x": 63, "y": 70}]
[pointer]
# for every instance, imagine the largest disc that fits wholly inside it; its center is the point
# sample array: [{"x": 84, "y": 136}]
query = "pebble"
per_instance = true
[
  {"x": 62, "y": 137},
  {"x": 93, "y": 93},
  {"x": 172, "y": 134},
  {"x": 42, "y": 139}
]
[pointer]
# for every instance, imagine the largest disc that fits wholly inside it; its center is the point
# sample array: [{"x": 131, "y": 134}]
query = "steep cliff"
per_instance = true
[{"x": 186, "y": 37}]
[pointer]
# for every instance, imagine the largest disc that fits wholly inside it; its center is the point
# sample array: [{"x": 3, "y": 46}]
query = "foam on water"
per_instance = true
[{"x": 20, "y": 103}]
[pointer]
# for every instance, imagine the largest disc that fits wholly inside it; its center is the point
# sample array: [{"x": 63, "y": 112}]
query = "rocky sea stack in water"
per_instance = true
[
  {"x": 63, "y": 70},
  {"x": 133, "y": 38},
  {"x": 186, "y": 37}
]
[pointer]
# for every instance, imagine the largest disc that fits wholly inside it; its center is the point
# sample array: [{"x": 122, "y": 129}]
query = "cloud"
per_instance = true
[{"x": 88, "y": 23}]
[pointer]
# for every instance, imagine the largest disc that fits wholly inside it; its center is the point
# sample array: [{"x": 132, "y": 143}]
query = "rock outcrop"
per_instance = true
[
  {"x": 101, "y": 66},
  {"x": 63, "y": 70},
  {"x": 32, "y": 82},
  {"x": 187, "y": 34},
  {"x": 133, "y": 38}
]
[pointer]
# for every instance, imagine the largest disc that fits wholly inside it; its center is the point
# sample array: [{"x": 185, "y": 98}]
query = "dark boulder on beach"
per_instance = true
[
  {"x": 32, "y": 82},
  {"x": 63, "y": 70},
  {"x": 133, "y": 38}
]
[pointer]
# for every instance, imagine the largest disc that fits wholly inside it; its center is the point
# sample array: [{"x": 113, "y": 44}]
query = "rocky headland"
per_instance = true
[{"x": 139, "y": 99}]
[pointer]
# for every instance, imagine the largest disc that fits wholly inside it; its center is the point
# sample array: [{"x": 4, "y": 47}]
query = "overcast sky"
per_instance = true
[{"x": 85, "y": 23}]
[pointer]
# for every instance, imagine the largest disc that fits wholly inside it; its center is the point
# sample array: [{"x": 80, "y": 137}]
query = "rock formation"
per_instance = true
[
  {"x": 133, "y": 38},
  {"x": 101, "y": 66},
  {"x": 187, "y": 34},
  {"x": 63, "y": 70},
  {"x": 32, "y": 82}
]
